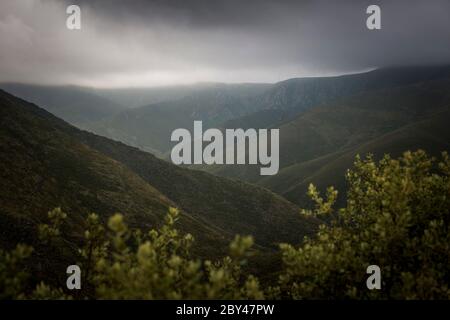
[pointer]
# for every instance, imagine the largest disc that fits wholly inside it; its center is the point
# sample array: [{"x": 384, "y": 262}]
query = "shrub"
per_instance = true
[{"x": 396, "y": 216}]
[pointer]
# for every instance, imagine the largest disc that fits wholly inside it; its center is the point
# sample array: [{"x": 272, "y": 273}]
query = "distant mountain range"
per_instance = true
[
  {"x": 149, "y": 127},
  {"x": 248, "y": 106},
  {"x": 76, "y": 105},
  {"x": 320, "y": 144},
  {"x": 145, "y": 117},
  {"x": 351, "y": 121}
]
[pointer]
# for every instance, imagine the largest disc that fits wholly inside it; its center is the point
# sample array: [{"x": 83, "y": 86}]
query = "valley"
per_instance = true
[
  {"x": 106, "y": 168},
  {"x": 48, "y": 163}
]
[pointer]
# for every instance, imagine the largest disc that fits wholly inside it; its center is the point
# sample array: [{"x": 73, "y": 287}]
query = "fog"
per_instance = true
[{"x": 155, "y": 43}]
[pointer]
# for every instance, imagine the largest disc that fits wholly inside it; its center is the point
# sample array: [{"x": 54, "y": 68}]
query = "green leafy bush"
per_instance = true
[
  {"x": 397, "y": 217},
  {"x": 119, "y": 263}
]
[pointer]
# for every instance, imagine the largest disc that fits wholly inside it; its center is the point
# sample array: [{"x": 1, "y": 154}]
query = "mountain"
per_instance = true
[
  {"x": 344, "y": 124},
  {"x": 83, "y": 105},
  {"x": 47, "y": 163},
  {"x": 138, "y": 97},
  {"x": 432, "y": 135},
  {"x": 249, "y": 105},
  {"x": 317, "y": 145},
  {"x": 149, "y": 127},
  {"x": 76, "y": 105},
  {"x": 286, "y": 99},
  {"x": 352, "y": 120}
]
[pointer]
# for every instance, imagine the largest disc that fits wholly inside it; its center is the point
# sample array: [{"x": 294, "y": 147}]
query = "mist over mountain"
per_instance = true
[
  {"x": 156, "y": 43},
  {"x": 149, "y": 127},
  {"x": 138, "y": 97},
  {"x": 76, "y": 105},
  {"x": 248, "y": 105}
]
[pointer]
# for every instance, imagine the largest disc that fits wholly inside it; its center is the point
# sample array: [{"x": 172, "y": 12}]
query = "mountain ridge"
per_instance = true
[
  {"x": 78, "y": 160},
  {"x": 149, "y": 127}
]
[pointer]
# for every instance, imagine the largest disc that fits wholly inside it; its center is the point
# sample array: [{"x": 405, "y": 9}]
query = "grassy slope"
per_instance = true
[
  {"x": 231, "y": 205},
  {"x": 43, "y": 168},
  {"x": 345, "y": 124},
  {"x": 48, "y": 163},
  {"x": 432, "y": 135},
  {"x": 247, "y": 105}
]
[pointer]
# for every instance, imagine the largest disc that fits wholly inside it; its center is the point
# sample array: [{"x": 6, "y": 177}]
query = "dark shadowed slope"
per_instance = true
[
  {"x": 43, "y": 167},
  {"x": 47, "y": 163}
]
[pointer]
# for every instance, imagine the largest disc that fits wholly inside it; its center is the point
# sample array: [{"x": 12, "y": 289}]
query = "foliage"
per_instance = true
[
  {"x": 396, "y": 217},
  {"x": 119, "y": 263},
  {"x": 12, "y": 275}
]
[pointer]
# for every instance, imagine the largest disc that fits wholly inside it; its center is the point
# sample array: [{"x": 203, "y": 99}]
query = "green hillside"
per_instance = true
[
  {"x": 344, "y": 124},
  {"x": 145, "y": 117},
  {"x": 432, "y": 135},
  {"x": 47, "y": 163},
  {"x": 43, "y": 168}
]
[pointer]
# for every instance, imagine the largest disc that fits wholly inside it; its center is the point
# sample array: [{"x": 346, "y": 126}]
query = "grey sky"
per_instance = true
[{"x": 159, "y": 42}]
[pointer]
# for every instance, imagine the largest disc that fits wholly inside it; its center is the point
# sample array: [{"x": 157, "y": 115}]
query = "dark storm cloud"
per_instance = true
[{"x": 155, "y": 42}]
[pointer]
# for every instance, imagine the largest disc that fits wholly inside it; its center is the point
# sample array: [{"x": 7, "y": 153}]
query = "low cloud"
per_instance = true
[{"x": 147, "y": 43}]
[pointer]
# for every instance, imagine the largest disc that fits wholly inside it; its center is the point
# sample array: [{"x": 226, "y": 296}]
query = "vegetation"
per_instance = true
[
  {"x": 380, "y": 121},
  {"x": 46, "y": 163},
  {"x": 264, "y": 106},
  {"x": 119, "y": 263},
  {"x": 397, "y": 217},
  {"x": 431, "y": 134}
]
